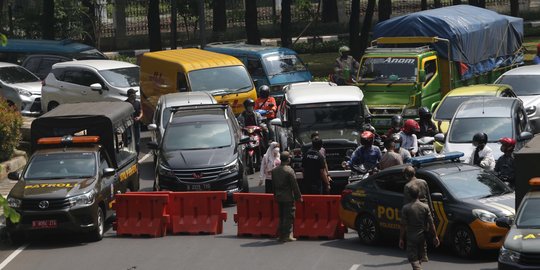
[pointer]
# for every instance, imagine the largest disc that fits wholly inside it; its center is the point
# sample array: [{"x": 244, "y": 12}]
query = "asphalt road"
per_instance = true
[{"x": 225, "y": 251}]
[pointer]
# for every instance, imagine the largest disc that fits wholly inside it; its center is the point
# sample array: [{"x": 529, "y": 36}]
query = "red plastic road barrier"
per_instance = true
[
  {"x": 141, "y": 214},
  {"x": 257, "y": 214},
  {"x": 318, "y": 217},
  {"x": 197, "y": 212}
]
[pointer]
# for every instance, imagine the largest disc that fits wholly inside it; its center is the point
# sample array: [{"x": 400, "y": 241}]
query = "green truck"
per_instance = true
[{"x": 415, "y": 59}]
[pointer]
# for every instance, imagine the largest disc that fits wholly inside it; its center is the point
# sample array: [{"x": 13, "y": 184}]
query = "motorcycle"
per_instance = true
[
  {"x": 425, "y": 146},
  {"x": 358, "y": 171},
  {"x": 254, "y": 148}
]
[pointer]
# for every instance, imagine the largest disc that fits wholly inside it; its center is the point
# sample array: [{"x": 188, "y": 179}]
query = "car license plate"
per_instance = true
[
  {"x": 44, "y": 224},
  {"x": 198, "y": 187}
]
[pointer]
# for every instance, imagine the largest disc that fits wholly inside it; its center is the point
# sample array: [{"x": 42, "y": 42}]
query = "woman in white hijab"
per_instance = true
[{"x": 269, "y": 161}]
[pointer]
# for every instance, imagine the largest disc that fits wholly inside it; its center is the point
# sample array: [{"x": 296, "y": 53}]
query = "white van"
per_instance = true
[{"x": 88, "y": 81}]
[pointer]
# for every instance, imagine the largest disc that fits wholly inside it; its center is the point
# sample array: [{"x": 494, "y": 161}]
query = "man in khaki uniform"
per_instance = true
[
  {"x": 286, "y": 192},
  {"x": 423, "y": 189},
  {"x": 416, "y": 223}
]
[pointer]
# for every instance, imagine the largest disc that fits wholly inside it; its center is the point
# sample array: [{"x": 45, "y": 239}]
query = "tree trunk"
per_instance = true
[
  {"x": 219, "y": 13},
  {"x": 354, "y": 29},
  {"x": 456, "y": 2},
  {"x": 366, "y": 27},
  {"x": 437, "y": 3},
  {"x": 89, "y": 22},
  {"x": 385, "y": 10},
  {"x": 286, "y": 39},
  {"x": 514, "y": 8},
  {"x": 154, "y": 29},
  {"x": 47, "y": 19},
  {"x": 329, "y": 11},
  {"x": 423, "y": 4},
  {"x": 252, "y": 29}
]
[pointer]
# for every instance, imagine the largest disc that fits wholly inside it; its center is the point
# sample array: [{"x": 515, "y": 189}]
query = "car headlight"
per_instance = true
[
  {"x": 83, "y": 200},
  {"x": 162, "y": 170},
  {"x": 14, "y": 203},
  {"x": 484, "y": 215},
  {"x": 231, "y": 167},
  {"x": 530, "y": 110},
  {"x": 410, "y": 112},
  {"x": 23, "y": 92},
  {"x": 507, "y": 255}
]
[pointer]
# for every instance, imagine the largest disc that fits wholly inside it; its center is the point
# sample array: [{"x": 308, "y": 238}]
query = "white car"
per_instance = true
[
  {"x": 88, "y": 81},
  {"x": 20, "y": 88},
  {"x": 525, "y": 82}
]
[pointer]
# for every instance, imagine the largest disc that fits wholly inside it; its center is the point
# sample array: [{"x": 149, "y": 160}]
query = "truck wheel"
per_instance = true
[
  {"x": 368, "y": 229},
  {"x": 52, "y": 105},
  {"x": 98, "y": 232},
  {"x": 463, "y": 242}
]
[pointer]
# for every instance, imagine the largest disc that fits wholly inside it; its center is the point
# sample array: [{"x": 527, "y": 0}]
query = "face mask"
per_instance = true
[
  {"x": 249, "y": 108},
  {"x": 397, "y": 145},
  {"x": 276, "y": 151}
]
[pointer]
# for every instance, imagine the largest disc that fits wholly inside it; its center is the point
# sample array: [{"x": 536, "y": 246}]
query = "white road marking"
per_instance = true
[
  {"x": 353, "y": 267},
  {"x": 12, "y": 256},
  {"x": 145, "y": 157}
]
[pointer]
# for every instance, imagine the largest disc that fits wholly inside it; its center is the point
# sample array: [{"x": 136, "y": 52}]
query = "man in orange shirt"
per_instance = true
[{"x": 266, "y": 102}]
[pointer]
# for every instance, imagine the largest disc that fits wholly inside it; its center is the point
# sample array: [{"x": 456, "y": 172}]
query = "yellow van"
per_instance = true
[{"x": 186, "y": 70}]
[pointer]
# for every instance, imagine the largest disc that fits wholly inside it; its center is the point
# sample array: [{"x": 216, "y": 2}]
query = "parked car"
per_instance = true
[
  {"x": 41, "y": 64},
  {"x": 162, "y": 114},
  {"x": 337, "y": 113},
  {"x": 497, "y": 117},
  {"x": 445, "y": 109},
  {"x": 525, "y": 82},
  {"x": 88, "y": 81},
  {"x": 272, "y": 66},
  {"x": 201, "y": 150},
  {"x": 20, "y": 88}
]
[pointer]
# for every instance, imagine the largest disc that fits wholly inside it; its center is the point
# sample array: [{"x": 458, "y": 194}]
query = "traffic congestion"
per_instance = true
[{"x": 415, "y": 146}]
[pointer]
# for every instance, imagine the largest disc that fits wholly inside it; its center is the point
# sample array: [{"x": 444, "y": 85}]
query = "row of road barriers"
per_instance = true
[{"x": 157, "y": 213}]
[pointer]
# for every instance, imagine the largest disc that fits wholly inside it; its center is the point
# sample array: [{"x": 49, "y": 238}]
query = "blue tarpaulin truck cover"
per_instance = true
[{"x": 478, "y": 37}]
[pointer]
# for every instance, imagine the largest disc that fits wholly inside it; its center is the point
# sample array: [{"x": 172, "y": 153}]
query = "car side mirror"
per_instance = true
[
  {"x": 153, "y": 145},
  {"x": 439, "y": 137},
  {"x": 245, "y": 140},
  {"x": 437, "y": 196},
  {"x": 108, "y": 172},
  {"x": 152, "y": 127},
  {"x": 422, "y": 76},
  {"x": 504, "y": 222},
  {"x": 525, "y": 135},
  {"x": 14, "y": 176},
  {"x": 276, "y": 122},
  {"x": 96, "y": 87}
]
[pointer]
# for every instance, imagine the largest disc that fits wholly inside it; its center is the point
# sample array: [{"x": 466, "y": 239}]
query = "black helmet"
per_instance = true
[
  {"x": 249, "y": 102},
  {"x": 264, "y": 91},
  {"x": 397, "y": 121},
  {"x": 368, "y": 127},
  {"x": 424, "y": 113},
  {"x": 480, "y": 138}
]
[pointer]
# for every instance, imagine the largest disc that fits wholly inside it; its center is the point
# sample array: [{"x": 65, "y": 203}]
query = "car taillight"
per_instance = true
[{"x": 346, "y": 192}]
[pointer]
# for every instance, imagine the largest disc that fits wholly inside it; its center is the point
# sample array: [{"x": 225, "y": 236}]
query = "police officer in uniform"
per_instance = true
[
  {"x": 315, "y": 174},
  {"x": 286, "y": 192},
  {"x": 420, "y": 184}
]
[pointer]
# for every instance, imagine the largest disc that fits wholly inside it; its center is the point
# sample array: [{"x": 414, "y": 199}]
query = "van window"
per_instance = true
[
  {"x": 221, "y": 80},
  {"x": 81, "y": 77},
  {"x": 181, "y": 83},
  {"x": 277, "y": 64}
]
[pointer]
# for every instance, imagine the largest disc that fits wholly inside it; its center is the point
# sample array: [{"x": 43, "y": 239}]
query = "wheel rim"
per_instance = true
[
  {"x": 366, "y": 229},
  {"x": 463, "y": 242},
  {"x": 100, "y": 222}
]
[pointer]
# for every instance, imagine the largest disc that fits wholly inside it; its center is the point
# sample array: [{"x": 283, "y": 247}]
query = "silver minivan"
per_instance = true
[{"x": 20, "y": 88}]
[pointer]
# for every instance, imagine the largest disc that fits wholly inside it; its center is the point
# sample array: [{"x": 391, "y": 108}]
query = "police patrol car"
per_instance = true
[
  {"x": 466, "y": 202},
  {"x": 521, "y": 249}
]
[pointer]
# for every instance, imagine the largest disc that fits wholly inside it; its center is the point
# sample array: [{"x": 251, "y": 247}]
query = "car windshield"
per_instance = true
[
  {"x": 389, "y": 69},
  {"x": 197, "y": 135},
  {"x": 61, "y": 166},
  {"x": 523, "y": 85},
  {"x": 477, "y": 183},
  {"x": 448, "y": 107},
  {"x": 337, "y": 121},
  {"x": 122, "y": 77},
  {"x": 463, "y": 129},
  {"x": 529, "y": 216},
  {"x": 221, "y": 80},
  {"x": 17, "y": 75},
  {"x": 91, "y": 54},
  {"x": 283, "y": 63}
]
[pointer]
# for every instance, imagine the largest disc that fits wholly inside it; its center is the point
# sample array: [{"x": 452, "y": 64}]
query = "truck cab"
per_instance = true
[{"x": 336, "y": 113}]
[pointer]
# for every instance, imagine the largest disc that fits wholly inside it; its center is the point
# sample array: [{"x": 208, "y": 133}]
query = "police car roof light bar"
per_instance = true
[
  {"x": 453, "y": 156},
  {"x": 68, "y": 139}
]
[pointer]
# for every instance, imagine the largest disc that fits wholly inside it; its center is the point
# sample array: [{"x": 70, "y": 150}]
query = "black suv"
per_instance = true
[{"x": 201, "y": 150}]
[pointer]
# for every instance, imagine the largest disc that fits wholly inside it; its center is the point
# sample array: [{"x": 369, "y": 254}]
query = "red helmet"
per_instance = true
[
  {"x": 411, "y": 126},
  {"x": 367, "y": 137},
  {"x": 508, "y": 142}
]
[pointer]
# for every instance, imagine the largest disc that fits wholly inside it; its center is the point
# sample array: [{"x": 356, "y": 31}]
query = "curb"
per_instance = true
[{"x": 12, "y": 165}]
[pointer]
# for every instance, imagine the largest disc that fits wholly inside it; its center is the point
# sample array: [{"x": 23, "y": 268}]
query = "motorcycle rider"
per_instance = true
[
  {"x": 366, "y": 154},
  {"x": 427, "y": 127},
  {"x": 505, "y": 164},
  {"x": 249, "y": 117},
  {"x": 378, "y": 141},
  {"x": 409, "y": 140},
  {"x": 482, "y": 155},
  {"x": 345, "y": 67},
  {"x": 266, "y": 102},
  {"x": 405, "y": 155},
  {"x": 396, "y": 126}
]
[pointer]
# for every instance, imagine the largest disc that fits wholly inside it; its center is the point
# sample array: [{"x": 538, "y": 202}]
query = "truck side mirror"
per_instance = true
[
  {"x": 422, "y": 76},
  {"x": 503, "y": 222},
  {"x": 108, "y": 172},
  {"x": 14, "y": 176}
]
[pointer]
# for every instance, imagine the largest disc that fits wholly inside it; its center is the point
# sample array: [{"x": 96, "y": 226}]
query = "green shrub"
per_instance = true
[
  {"x": 10, "y": 129},
  {"x": 319, "y": 47}
]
